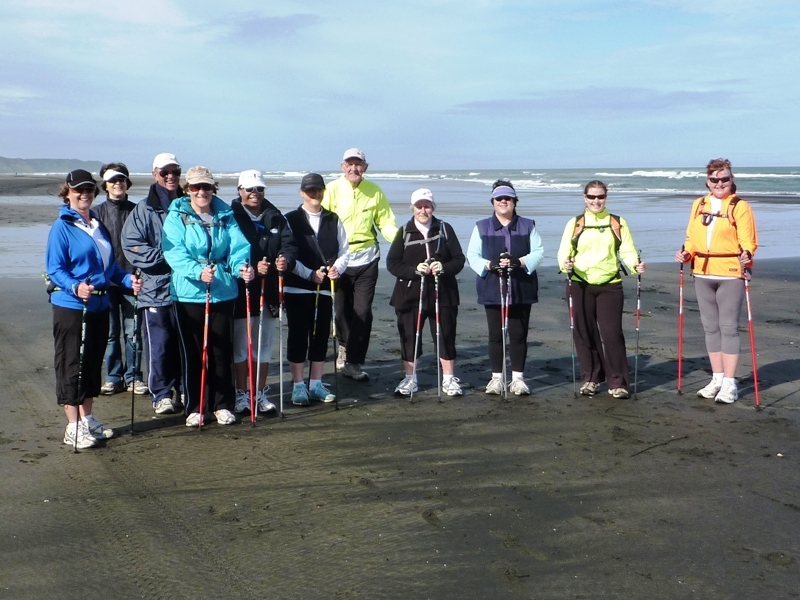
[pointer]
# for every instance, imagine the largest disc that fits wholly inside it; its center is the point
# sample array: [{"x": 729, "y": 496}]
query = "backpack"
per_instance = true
[{"x": 614, "y": 224}]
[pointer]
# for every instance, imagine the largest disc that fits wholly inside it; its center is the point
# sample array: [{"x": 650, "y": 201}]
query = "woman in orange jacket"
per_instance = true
[{"x": 720, "y": 242}]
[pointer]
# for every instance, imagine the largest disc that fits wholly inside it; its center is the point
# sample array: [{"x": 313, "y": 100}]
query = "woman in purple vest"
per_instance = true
[{"x": 504, "y": 251}]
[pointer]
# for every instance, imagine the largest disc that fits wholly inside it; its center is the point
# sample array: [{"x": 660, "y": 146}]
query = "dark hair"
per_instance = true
[
  {"x": 504, "y": 182},
  {"x": 63, "y": 192},
  {"x": 718, "y": 164},
  {"x": 595, "y": 183},
  {"x": 116, "y": 166}
]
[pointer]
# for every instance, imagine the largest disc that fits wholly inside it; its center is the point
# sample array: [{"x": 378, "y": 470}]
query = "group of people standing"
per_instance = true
[{"x": 205, "y": 278}]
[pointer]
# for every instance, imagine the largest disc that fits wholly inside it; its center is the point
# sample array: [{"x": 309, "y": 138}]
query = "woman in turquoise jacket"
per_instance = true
[{"x": 205, "y": 249}]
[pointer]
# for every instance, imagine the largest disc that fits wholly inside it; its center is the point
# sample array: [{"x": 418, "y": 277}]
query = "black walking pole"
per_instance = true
[
  {"x": 638, "y": 313},
  {"x": 138, "y": 274},
  {"x": 80, "y": 368}
]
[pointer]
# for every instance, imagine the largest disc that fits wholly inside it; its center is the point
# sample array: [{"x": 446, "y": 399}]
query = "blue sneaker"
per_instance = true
[
  {"x": 320, "y": 392},
  {"x": 300, "y": 395}
]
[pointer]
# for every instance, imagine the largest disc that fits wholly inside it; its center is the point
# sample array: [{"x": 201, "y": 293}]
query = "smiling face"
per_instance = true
[
  {"x": 200, "y": 196},
  {"x": 251, "y": 200},
  {"x": 168, "y": 177},
  {"x": 81, "y": 198},
  {"x": 423, "y": 212},
  {"x": 116, "y": 188},
  {"x": 720, "y": 183},
  {"x": 354, "y": 169},
  {"x": 504, "y": 207},
  {"x": 312, "y": 199},
  {"x": 595, "y": 198}
]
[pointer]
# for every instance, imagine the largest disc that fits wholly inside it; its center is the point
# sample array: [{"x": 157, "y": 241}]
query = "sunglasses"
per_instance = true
[
  {"x": 114, "y": 180},
  {"x": 83, "y": 189},
  {"x": 504, "y": 199},
  {"x": 196, "y": 187},
  {"x": 596, "y": 196},
  {"x": 258, "y": 188},
  {"x": 719, "y": 179},
  {"x": 167, "y": 172}
]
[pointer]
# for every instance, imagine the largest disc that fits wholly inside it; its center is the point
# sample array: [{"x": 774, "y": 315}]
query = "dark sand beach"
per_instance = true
[{"x": 547, "y": 496}]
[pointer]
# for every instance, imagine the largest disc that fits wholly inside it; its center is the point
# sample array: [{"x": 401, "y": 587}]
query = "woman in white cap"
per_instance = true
[
  {"x": 506, "y": 245},
  {"x": 272, "y": 251},
  {"x": 206, "y": 250},
  {"x": 425, "y": 248},
  {"x": 81, "y": 267}
]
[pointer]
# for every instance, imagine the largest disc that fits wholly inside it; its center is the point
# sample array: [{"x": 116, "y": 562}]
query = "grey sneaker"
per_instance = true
[
  {"x": 728, "y": 393},
  {"x": 355, "y": 371},
  {"x": 710, "y": 391},
  {"x": 589, "y": 388},
  {"x": 407, "y": 386},
  {"x": 242, "y": 402},
  {"x": 620, "y": 393},
  {"x": 225, "y": 417},
  {"x": 300, "y": 395},
  {"x": 320, "y": 392},
  {"x": 193, "y": 420},
  {"x": 164, "y": 407},
  {"x": 495, "y": 386},
  {"x": 139, "y": 388},
  {"x": 341, "y": 358},
  {"x": 85, "y": 439},
  {"x": 452, "y": 387},
  {"x": 519, "y": 388},
  {"x": 97, "y": 429},
  {"x": 109, "y": 388}
]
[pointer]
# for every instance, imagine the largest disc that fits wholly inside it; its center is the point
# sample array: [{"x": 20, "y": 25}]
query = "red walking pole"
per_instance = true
[
  {"x": 752, "y": 336},
  {"x": 680, "y": 331},
  {"x": 204, "y": 365},
  {"x": 250, "y": 351}
]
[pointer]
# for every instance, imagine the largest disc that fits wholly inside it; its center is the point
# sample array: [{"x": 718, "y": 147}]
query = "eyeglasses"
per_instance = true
[
  {"x": 84, "y": 189},
  {"x": 504, "y": 199},
  {"x": 114, "y": 180},
  {"x": 596, "y": 196},
  {"x": 196, "y": 187},
  {"x": 258, "y": 188},
  {"x": 167, "y": 172},
  {"x": 719, "y": 179}
]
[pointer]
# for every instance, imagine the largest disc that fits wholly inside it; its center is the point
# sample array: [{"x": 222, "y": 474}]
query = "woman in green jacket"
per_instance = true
[{"x": 593, "y": 249}]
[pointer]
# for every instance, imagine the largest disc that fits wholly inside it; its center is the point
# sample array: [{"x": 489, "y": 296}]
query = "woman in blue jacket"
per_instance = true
[
  {"x": 206, "y": 250},
  {"x": 81, "y": 267}
]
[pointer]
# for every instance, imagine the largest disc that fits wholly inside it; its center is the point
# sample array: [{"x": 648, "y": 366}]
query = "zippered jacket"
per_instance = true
[
  {"x": 72, "y": 256},
  {"x": 308, "y": 250},
  {"x": 113, "y": 215},
  {"x": 190, "y": 244}
]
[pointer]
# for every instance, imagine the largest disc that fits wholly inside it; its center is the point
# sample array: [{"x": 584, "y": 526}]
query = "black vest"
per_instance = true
[{"x": 308, "y": 248}]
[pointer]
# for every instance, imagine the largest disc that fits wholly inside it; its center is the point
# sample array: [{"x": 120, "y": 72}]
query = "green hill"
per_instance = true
[{"x": 46, "y": 165}]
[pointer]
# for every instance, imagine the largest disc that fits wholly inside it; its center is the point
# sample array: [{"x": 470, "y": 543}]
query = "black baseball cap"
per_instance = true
[
  {"x": 79, "y": 177},
  {"x": 312, "y": 181}
]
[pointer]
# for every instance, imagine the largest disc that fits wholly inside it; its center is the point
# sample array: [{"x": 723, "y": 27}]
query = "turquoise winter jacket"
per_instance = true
[{"x": 185, "y": 243}]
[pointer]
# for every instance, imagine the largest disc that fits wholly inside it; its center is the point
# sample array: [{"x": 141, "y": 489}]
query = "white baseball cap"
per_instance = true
[
  {"x": 354, "y": 153},
  {"x": 422, "y": 194},
  {"x": 164, "y": 159},
  {"x": 251, "y": 178}
]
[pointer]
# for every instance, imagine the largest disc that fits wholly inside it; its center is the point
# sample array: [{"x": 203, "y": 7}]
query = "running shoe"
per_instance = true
[
  {"x": 519, "y": 388},
  {"x": 711, "y": 390},
  {"x": 589, "y": 388},
  {"x": 407, "y": 386},
  {"x": 164, "y": 407},
  {"x": 109, "y": 388},
  {"x": 225, "y": 417},
  {"x": 451, "y": 387},
  {"x": 341, "y": 359},
  {"x": 355, "y": 371},
  {"x": 242, "y": 402},
  {"x": 728, "y": 393},
  {"x": 139, "y": 388},
  {"x": 85, "y": 439},
  {"x": 193, "y": 420},
  {"x": 300, "y": 395},
  {"x": 320, "y": 392},
  {"x": 495, "y": 386},
  {"x": 619, "y": 393},
  {"x": 97, "y": 429}
]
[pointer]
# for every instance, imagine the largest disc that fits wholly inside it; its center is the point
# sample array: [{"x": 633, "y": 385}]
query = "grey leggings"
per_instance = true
[{"x": 720, "y": 302}]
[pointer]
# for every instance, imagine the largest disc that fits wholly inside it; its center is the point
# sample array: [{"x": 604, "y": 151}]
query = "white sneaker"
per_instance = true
[
  {"x": 495, "y": 386},
  {"x": 728, "y": 393},
  {"x": 242, "y": 402},
  {"x": 139, "y": 388},
  {"x": 407, "y": 386},
  {"x": 519, "y": 388},
  {"x": 164, "y": 407},
  {"x": 452, "y": 387},
  {"x": 341, "y": 358},
  {"x": 710, "y": 391},
  {"x": 225, "y": 417},
  {"x": 355, "y": 371},
  {"x": 97, "y": 429},
  {"x": 193, "y": 420},
  {"x": 85, "y": 439},
  {"x": 320, "y": 392}
]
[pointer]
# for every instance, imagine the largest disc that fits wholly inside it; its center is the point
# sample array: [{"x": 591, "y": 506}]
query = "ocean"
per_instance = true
[{"x": 655, "y": 202}]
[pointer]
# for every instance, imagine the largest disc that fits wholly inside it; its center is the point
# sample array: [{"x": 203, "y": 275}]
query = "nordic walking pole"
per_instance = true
[
  {"x": 572, "y": 332},
  {"x": 280, "y": 338},
  {"x": 752, "y": 337},
  {"x": 80, "y": 368},
  {"x": 680, "y": 327},
  {"x": 638, "y": 313},
  {"x": 438, "y": 339},
  {"x": 138, "y": 274},
  {"x": 504, "y": 329},
  {"x": 249, "y": 351},
  {"x": 335, "y": 343},
  {"x": 416, "y": 335},
  {"x": 260, "y": 329},
  {"x": 204, "y": 360}
]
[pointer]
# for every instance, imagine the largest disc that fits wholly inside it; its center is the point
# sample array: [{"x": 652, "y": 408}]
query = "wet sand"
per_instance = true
[{"x": 548, "y": 496}]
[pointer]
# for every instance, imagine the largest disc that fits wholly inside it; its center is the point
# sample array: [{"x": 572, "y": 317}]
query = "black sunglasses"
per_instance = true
[
  {"x": 196, "y": 187},
  {"x": 719, "y": 179},
  {"x": 596, "y": 196},
  {"x": 166, "y": 172},
  {"x": 258, "y": 188}
]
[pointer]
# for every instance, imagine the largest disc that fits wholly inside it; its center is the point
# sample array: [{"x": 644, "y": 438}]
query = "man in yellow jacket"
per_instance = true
[{"x": 362, "y": 208}]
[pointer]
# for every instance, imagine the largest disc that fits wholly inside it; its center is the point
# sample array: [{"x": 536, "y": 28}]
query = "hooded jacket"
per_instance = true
[{"x": 113, "y": 215}]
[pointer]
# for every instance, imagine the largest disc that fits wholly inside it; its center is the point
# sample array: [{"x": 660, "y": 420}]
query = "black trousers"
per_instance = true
[
  {"x": 301, "y": 340},
  {"x": 518, "y": 317},
  {"x": 220, "y": 389},
  {"x": 599, "y": 341},
  {"x": 73, "y": 383},
  {"x": 355, "y": 290},
  {"x": 407, "y": 328}
]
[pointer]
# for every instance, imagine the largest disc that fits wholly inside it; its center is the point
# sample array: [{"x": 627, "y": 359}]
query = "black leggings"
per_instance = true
[
  {"x": 73, "y": 384},
  {"x": 302, "y": 341},
  {"x": 518, "y": 317}
]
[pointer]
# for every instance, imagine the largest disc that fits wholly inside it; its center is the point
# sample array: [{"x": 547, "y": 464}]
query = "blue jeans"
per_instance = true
[{"x": 120, "y": 323}]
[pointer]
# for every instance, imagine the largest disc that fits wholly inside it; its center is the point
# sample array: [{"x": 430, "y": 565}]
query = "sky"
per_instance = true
[{"x": 417, "y": 85}]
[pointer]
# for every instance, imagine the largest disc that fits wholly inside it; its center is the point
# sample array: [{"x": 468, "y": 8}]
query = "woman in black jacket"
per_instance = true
[{"x": 426, "y": 247}]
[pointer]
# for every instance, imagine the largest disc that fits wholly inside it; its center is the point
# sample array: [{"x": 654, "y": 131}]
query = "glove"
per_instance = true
[
  {"x": 422, "y": 268},
  {"x": 513, "y": 262},
  {"x": 436, "y": 267},
  {"x": 494, "y": 265}
]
